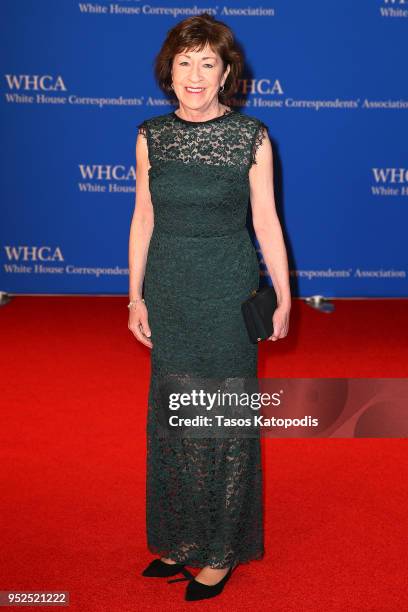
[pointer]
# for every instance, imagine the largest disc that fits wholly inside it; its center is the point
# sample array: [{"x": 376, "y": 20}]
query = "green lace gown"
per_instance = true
[{"x": 203, "y": 496}]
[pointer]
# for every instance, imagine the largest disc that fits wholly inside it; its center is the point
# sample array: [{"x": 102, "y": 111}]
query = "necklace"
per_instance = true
[{"x": 225, "y": 111}]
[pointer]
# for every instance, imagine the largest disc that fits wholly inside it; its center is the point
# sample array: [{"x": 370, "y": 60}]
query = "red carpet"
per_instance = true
[{"x": 74, "y": 392}]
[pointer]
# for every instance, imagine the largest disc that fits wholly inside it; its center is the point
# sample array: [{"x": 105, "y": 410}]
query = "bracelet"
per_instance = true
[{"x": 133, "y": 302}]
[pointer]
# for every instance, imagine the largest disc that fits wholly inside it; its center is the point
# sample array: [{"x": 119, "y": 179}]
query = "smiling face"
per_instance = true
[{"x": 197, "y": 77}]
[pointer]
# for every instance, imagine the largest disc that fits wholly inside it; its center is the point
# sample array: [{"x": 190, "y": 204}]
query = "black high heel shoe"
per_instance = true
[
  {"x": 197, "y": 590},
  {"x": 159, "y": 569}
]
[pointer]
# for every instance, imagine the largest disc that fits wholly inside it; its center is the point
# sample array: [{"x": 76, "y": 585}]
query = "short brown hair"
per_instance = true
[{"x": 194, "y": 33}]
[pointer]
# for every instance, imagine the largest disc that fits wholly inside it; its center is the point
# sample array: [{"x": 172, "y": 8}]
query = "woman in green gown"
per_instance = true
[{"x": 192, "y": 263}]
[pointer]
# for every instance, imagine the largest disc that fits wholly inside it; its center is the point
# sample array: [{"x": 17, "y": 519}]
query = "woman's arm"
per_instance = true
[
  {"x": 141, "y": 230},
  {"x": 269, "y": 233}
]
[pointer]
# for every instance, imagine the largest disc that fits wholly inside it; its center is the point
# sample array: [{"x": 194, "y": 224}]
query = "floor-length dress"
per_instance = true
[{"x": 203, "y": 496}]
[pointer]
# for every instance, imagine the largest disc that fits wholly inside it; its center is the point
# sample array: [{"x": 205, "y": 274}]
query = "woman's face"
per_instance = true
[{"x": 197, "y": 77}]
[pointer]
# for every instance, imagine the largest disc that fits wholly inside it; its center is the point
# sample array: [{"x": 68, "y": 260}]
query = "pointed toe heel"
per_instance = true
[
  {"x": 159, "y": 569},
  {"x": 197, "y": 590}
]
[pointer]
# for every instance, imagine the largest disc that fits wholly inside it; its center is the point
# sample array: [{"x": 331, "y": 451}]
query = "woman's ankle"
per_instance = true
[
  {"x": 211, "y": 575},
  {"x": 168, "y": 560}
]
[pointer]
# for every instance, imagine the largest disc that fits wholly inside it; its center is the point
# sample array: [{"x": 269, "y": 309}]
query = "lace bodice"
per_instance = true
[
  {"x": 199, "y": 171},
  {"x": 232, "y": 139}
]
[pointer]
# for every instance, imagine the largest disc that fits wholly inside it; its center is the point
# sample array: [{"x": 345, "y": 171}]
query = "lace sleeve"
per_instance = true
[{"x": 261, "y": 133}]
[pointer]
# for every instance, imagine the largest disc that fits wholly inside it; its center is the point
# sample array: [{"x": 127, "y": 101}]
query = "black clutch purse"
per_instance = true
[{"x": 257, "y": 311}]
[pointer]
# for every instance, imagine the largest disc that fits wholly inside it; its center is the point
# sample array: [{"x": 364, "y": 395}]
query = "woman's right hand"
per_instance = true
[{"x": 139, "y": 323}]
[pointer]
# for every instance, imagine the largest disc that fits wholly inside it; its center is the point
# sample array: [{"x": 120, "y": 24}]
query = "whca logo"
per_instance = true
[
  {"x": 33, "y": 253},
  {"x": 35, "y": 82}
]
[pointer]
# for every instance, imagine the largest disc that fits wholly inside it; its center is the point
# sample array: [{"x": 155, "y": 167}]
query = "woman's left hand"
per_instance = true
[{"x": 280, "y": 321}]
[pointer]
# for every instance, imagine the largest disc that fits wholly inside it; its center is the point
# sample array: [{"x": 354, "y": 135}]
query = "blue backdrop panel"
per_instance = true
[{"x": 329, "y": 79}]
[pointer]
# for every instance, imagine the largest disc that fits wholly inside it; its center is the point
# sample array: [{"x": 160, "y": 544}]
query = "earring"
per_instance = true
[
  {"x": 221, "y": 88},
  {"x": 171, "y": 85}
]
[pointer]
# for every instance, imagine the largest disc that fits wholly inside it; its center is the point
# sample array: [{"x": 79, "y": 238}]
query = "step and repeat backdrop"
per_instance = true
[{"x": 329, "y": 78}]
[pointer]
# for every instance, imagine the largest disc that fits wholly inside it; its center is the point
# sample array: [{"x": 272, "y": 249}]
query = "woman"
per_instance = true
[{"x": 192, "y": 263}]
